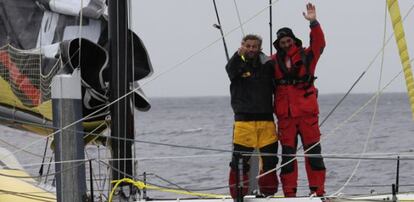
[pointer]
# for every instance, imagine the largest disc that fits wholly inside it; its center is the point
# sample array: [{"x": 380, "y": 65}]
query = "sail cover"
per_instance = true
[{"x": 39, "y": 39}]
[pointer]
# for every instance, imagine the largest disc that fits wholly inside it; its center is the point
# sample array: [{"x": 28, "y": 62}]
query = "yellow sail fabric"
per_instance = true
[
  {"x": 21, "y": 189},
  {"x": 399, "y": 34}
]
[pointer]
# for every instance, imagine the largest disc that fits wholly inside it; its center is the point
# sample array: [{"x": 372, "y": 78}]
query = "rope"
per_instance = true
[
  {"x": 142, "y": 185},
  {"x": 239, "y": 18},
  {"x": 371, "y": 126}
]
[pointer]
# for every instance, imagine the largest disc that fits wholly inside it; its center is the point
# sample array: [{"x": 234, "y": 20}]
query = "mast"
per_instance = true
[{"x": 122, "y": 120}]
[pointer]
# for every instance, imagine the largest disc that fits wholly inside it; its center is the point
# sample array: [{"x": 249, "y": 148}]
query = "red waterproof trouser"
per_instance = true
[{"x": 308, "y": 130}]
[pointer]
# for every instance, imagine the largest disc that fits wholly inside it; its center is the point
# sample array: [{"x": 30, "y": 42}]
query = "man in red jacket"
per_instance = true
[{"x": 296, "y": 105}]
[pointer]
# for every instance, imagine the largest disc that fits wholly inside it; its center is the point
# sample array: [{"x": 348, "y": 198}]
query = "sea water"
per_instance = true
[{"x": 196, "y": 137}]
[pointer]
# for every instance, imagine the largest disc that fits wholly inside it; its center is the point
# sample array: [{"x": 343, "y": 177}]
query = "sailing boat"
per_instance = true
[
  {"x": 30, "y": 98},
  {"x": 48, "y": 44}
]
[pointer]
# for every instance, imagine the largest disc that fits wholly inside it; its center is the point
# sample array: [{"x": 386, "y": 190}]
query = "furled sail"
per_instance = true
[
  {"x": 397, "y": 24},
  {"x": 39, "y": 39}
]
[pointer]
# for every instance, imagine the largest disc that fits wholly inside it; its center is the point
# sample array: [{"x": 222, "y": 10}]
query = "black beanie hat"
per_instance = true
[{"x": 284, "y": 32}]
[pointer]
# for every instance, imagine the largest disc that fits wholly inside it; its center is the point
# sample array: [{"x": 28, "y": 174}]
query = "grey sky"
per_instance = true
[{"x": 173, "y": 30}]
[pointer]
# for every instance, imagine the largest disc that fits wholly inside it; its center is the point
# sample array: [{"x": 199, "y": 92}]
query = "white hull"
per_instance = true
[{"x": 385, "y": 197}]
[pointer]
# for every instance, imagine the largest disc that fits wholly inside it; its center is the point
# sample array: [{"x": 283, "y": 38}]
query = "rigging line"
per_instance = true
[
  {"x": 57, "y": 131},
  {"x": 142, "y": 185},
  {"x": 133, "y": 78},
  {"x": 94, "y": 175},
  {"x": 148, "y": 142},
  {"x": 299, "y": 187},
  {"x": 341, "y": 100},
  {"x": 187, "y": 147},
  {"x": 125, "y": 108},
  {"x": 327, "y": 156},
  {"x": 339, "y": 156},
  {"x": 407, "y": 158},
  {"x": 148, "y": 81},
  {"x": 336, "y": 128},
  {"x": 92, "y": 133},
  {"x": 54, "y": 162},
  {"x": 172, "y": 145},
  {"x": 171, "y": 183},
  {"x": 197, "y": 52},
  {"x": 377, "y": 185},
  {"x": 191, "y": 189},
  {"x": 109, "y": 166},
  {"x": 99, "y": 167},
  {"x": 28, "y": 196},
  {"x": 142, "y": 141},
  {"x": 47, "y": 127},
  {"x": 371, "y": 127},
  {"x": 181, "y": 157},
  {"x": 87, "y": 134},
  {"x": 44, "y": 157},
  {"x": 106, "y": 177},
  {"x": 132, "y": 177},
  {"x": 271, "y": 27},
  {"x": 80, "y": 33},
  {"x": 50, "y": 174},
  {"x": 212, "y": 149},
  {"x": 116, "y": 105},
  {"x": 388, "y": 40},
  {"x": 366, "y": 69},
  {"x": 16, "y": 147},
  {"x": 48, "y": 168},
  {"x": 303, "y": 187},
  {"x": 33, "y": 192},
  {"x": 239, "y": 18}
]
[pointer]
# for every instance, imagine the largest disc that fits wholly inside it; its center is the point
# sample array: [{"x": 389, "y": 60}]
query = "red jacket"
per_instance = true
[{"x": 298, "y": 99}]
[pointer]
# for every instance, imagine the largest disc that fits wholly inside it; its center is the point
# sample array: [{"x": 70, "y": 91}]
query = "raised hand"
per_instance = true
[
  {"x": 242, "y": 51},
  {"x": 310, "y": 12}
]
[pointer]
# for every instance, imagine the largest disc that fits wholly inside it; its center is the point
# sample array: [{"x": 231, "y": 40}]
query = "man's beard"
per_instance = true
[
  {"x": 252, "y": 55},
  {"x": 286, "y": 49}
]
